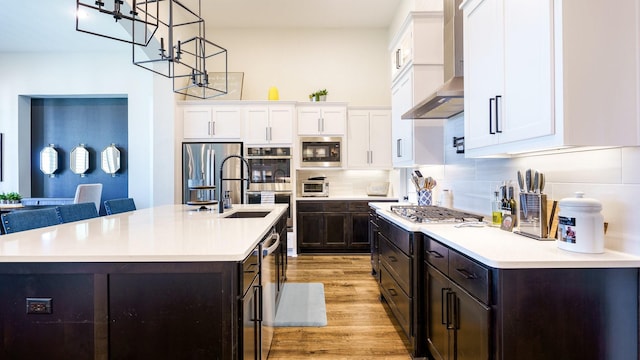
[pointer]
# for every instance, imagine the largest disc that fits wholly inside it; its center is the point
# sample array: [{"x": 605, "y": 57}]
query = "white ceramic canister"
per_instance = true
[{"x": 580, "y": 225}]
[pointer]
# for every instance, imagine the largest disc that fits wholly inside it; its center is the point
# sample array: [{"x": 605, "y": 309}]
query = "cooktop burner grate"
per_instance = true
[{"x": 433, "y": 214}]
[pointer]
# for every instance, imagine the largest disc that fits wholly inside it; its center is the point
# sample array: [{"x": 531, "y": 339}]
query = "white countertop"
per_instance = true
[
  {"x": 174, "y": 233},
  {"x": 505, "y": 250}
]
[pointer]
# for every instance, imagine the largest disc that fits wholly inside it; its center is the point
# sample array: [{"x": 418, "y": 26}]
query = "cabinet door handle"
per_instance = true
[
  {"x": 444, "y": 306},
  {"x": 451, "y": 298},
  {"x": 319, "y": 125},
  {"x": 435, "y": 254},
  {"x": 398, "y": 59},
  {"x": 322, "y": 122},
  {"x": 491, "y": 100},
  {"x": 454, "y": 324},
  {"x": 466, "y": 274},
  {"x": 498, "y": 97},
  {"x": 399, "y": 148}
]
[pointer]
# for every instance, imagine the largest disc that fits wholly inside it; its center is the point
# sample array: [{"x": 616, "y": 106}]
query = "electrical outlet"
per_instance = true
[{"x": 39, "y": 306}]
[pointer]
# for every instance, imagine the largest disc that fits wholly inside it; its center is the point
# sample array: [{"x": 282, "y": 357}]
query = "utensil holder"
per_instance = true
[
  {"x": 532, "y": 216},
  {"x": 424, "y": 197}
]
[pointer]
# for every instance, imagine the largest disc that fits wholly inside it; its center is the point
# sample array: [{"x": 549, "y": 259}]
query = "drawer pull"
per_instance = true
[
  {"x": 393, "y": 292},
  {"x": 393, "y": 259},
  {"x": 435, "y": 254},
  {"x": 251, "y": 268},
  {"x": 466, "y": 274}
]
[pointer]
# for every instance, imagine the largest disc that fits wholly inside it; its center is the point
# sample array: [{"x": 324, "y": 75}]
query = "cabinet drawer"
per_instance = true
[
  {"x": 331, "y": 206},
  {"x": 250, "y": 269},
  {"x": 470, "y": 275},
  {"x": 397, "y": 236},
  {"x": 398, "y": 264},
  {"x": 398, "y": 301},
  {"x": 359, "y": 206},
  {"x": 309, "y": 206},
  {"x": 436, "y": 254}
]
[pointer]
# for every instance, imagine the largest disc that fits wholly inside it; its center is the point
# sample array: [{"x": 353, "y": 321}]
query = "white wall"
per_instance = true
[
  {"x": 353, "y": 65},
  {"x": 612, "y": 176},
  {"x": 102, "y": 74}
]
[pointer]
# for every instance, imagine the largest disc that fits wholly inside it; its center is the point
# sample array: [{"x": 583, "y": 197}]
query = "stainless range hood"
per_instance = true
[{"x": 448, "y": 100}]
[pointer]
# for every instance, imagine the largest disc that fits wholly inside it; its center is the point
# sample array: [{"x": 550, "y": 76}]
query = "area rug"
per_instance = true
[{"x": 301, "y": 304}]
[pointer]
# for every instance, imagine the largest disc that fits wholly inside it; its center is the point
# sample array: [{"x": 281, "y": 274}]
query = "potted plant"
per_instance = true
[
  {"x": 3, "y": 198},
  {"x": 320, "y": 95},
  {"x": 13, "y": 197}
]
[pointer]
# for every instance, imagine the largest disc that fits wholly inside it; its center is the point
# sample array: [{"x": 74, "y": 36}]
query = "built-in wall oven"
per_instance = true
[{"x": 271, "y": 169}]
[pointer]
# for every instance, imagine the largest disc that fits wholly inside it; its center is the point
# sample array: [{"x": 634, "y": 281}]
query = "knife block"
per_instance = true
[{"x": 532, "y": 216}]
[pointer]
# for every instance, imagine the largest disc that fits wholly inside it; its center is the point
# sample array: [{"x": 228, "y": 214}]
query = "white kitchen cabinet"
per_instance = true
[
  {"x": 419, "y": 41},
  {"x": 222, "y": 122},
  {"x": 268, "y": 124},
  {"x": 415, "y": 142},
  {"x": 369, "y": 139},
  {"x": 322, "y": 119},
  {"x": 537, "y": 74}
]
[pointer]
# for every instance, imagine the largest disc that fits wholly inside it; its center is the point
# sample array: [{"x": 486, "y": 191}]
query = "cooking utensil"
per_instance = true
[{"x": 541, "y": 182}]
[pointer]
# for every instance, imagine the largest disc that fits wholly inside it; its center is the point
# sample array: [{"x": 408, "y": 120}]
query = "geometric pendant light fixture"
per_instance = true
[
  {"x": 201, "y": 70},
  {"x": 117, "y": 19}
]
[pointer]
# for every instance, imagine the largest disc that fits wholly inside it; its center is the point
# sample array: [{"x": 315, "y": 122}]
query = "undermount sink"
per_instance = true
[{"x": 248, "y": 214}]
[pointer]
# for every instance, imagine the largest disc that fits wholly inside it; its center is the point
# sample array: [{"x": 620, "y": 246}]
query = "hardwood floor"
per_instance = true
[{"x": 358, "y": 326}]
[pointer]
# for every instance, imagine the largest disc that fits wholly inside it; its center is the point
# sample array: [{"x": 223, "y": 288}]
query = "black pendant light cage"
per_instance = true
[
  {"x": 202, "y": 69},
  {"x": 117, "y": 19},
  {"x": 197, "y": 66}
]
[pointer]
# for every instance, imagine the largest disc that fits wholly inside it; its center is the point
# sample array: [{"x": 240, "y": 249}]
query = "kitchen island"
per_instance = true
[
  {"x": 163, "y": 282},
  {"x": 483, "y": 293}
]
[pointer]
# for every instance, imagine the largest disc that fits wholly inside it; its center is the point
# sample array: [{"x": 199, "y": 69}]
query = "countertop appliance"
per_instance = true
[
  {"x": 433, "y": 214},
  {"x": 315, "y": 187},
  {"x": 200, "y": 166},
  {"x": 321, "y": 151},
  {"x": 448, "y": 100}
]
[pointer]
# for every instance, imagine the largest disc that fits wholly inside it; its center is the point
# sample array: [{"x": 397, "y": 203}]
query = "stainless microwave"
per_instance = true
[
  {"x": 321, "y": 151},
  {"x": 315, "y": 188}
]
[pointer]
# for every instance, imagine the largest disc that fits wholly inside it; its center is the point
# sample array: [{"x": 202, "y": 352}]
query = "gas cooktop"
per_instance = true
[{"x": 433, "y": 214}]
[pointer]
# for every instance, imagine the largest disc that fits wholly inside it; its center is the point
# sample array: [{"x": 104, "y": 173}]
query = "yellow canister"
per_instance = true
[{"x": 273, "y": 93}]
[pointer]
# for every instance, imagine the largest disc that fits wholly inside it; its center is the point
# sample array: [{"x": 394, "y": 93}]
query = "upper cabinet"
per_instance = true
[
  {"x": 369, "y": 139},
  {"x": 549, "y": 74},
  {"x": 268, "y": 124},
  {"x": 419, "y": 41},
  {"x": 206, "y": 121},
  {"x": 418, "y": 142},
  {"x": 322, "y": 119}
]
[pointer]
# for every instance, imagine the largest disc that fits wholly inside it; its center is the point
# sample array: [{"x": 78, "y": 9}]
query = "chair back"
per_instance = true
[
  {"x": 116, "y": 206},
  {"x": 86, "y": 193},
  {"x": 76, "y": 212},
  {"x": 22, "y": 220}
]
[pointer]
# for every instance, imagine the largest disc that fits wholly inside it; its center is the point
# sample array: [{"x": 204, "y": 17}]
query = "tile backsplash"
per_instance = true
[
  {"x": 611, "y": 176},
  {"x": 347, "y": 182}
]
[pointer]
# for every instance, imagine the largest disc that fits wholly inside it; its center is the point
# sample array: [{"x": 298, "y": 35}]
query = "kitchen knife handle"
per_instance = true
[
  {"x": 491, "y": 100},
  {"x": 498, "y": 97}
]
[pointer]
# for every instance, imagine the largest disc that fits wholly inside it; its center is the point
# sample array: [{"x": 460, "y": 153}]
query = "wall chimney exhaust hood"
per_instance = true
[{"x": 448, "y": 100}]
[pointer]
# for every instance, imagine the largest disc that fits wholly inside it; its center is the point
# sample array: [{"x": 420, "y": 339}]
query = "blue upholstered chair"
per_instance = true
[
  {"x": 29, "y": 219},
  {"x": 76, "y": 212},
  {"x": 116, "y": 206}
]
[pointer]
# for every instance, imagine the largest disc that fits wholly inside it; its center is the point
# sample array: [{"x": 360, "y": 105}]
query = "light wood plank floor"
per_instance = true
[{"x": 358, "y": 326}]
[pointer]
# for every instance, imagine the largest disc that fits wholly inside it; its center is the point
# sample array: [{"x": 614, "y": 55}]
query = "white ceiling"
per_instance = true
[{"x": 49, "y": 25}]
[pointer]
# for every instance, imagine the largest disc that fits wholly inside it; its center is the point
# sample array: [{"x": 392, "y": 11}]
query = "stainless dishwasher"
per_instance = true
[{"x": 269, "y": 274}]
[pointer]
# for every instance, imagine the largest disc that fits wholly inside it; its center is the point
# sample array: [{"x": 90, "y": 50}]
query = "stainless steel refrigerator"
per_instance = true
[{"x": 201, "y": 167}]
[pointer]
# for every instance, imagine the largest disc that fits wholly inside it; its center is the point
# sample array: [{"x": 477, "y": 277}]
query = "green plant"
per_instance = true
[
  {"x": 318, "y": 93},
  {"x": 14, "y": 196},
  {"x": 322, "y": 92},
  {"x": 3, "y": 196}
]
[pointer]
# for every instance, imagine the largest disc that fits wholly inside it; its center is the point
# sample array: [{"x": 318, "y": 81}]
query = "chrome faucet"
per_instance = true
[{"x": 247, "y": 179}]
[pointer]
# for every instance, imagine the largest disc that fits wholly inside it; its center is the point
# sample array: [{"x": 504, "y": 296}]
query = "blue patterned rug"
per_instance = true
[{"x": 301, "y": 304}]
